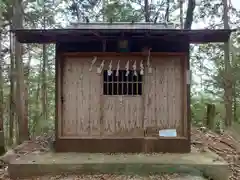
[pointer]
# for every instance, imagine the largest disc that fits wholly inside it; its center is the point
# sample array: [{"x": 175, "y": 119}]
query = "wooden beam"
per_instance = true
[{"x": 109, "y": 54}]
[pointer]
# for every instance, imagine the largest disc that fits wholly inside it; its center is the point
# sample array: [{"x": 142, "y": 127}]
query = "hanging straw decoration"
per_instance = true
[
  {"x": 93, "y": 62},
  {"x": 110, "y": 69},
  {"x": 135, "y": 68},
  {"x": 99, "y": 70},
  {"x": 118, "y": 67},
  {"x": 141, "y": 68},
  {"x": 127, "y": 68},
  {"x": 148, "y": 61}
]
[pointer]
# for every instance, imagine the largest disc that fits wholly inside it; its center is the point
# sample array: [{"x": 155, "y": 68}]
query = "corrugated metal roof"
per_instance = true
[
  {"x": 122, "y": 25},
  {"x": 86, "y": 32}
]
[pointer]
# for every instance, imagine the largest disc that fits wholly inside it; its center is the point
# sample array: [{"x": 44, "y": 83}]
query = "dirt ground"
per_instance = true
[
  {"x": 119, "y": 177},
  {"x": 224, "y": 145}
]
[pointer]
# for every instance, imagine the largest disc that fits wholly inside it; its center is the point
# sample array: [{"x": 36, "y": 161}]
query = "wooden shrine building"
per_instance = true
[{"x": 122, "y": 87}]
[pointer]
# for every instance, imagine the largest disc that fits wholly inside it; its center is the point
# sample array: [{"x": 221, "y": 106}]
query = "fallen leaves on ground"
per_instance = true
[{"x": 222, "y": 144}]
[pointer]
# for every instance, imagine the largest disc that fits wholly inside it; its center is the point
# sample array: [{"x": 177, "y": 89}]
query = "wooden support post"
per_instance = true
[{"x": 211, "y": 113}]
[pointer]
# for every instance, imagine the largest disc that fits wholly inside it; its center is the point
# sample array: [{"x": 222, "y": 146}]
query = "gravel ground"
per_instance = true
[{"x": 120, "y": 177}]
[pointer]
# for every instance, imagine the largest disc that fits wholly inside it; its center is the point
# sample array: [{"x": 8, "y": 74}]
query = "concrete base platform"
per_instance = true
[{"x": 205, "y": 164}]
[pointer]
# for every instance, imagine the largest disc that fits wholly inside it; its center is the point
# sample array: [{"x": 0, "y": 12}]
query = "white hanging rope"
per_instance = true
[
  {"x": 148, "y": 61},
  {"x": 110, "y": 69},
  {"x": 99, "y": 70},
  {"x": 93, "y": 62},
  {"x": 141, "y": 68},
  {"x": 118, "y": 67},
  {"x": 135, "y": 68},
  {"x": 127, "y": 68}
]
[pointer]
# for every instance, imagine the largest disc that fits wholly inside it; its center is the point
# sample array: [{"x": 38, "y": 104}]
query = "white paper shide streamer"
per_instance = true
[
  {"x": 118, "y": 67},
  {"x": 135, "y": 68},
  {"x": 110, "y": 69},
  {"x": 141, "y": 68},
  {"x": 99, "y": 70},
  {"x": 127, "y": 68},
  {"x": 93, "y": 62},
  {"x": 148, "y": 61}
]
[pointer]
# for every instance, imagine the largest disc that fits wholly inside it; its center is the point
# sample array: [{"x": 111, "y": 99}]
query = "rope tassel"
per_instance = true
[
  {"x": 141, "y": 68},
  {"x": 99, "y": 70},
  {"x": 127, "y": 68},
  {"x": 118, "y": 67},
  {"x": 135, "y": 68},
  {"x": 148, "y": 61},
  {"x": 110, "y": 69},
  {"x": 93, "y": 62}
]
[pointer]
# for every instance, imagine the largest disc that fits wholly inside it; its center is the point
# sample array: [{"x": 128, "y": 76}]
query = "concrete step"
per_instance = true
[{"x": 197, "y": 164}]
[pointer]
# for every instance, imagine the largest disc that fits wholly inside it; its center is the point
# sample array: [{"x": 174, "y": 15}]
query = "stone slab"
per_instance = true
[{"x": 199, "y": 164}]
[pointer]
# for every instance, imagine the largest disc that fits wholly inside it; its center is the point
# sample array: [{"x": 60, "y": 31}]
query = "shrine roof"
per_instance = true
[{"x": 99, "y": 31}]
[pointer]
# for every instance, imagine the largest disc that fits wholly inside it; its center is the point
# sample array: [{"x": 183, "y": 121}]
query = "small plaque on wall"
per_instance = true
[
  {"x": 168, "y": 133},
  {"x": 123, "y": 46}
]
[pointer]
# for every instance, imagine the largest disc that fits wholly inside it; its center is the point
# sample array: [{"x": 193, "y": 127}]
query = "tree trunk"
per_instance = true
[
  {"x": 234, "y": 102},
  {"x": 37, "y": 113},
  {"x": 44, "y": 85},
  {"x": 12, "y": 108},
  {"x": 181, "y": 14},
  {"x": 146, "y": 11},
  {"x": 228, "y": 75},
  {"x": 190, "y": 13},
  {"x": 44, "y": 77},
  {"x": 167, "y": 11},
  {"x": 26, "y": 85},
  {"x": 20, "y": 89},
  {"x": 2, "y": 143}
]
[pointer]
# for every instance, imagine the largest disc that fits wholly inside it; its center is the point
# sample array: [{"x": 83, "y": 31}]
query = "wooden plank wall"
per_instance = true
[
  {"x": 122, "y": 115},
  {"x": 86, "y": 112},
  {"x": 81, "y": 106},
  {"x": 164, "y": 96}
]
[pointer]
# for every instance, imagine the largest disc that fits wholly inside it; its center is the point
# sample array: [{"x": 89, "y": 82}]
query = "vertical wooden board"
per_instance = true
[
  {"x": 127, "y": 113},
  {"x": 65, "y": 97},
  {"x": 128, "y": 116},
  {"x": 165, "y": 93},
  {"x": 68, "y": 110},
  {"x": 179, "y": 95},
  {"x": 121, "y": 119},
  {"x": 74, "y": 102},
  {"x": 94, "y": 97},
  {"x": 161, "y": 95},
  {"x": 85, "y": 98},
  {"x": 109, "y": 115},
  {"x": 58, "y": 93},
  {"x": 174, "y": 94},
  {"x": 137, "y": 113},
  {"x": 130, "y": 120},
  {"x": 170, "y": 93},
  {"x": 80, "y": 117},
  {"x": 149, "y": 95},
  {"x": 185, "y": 97},
  {"x": 139, "y": 109}
]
